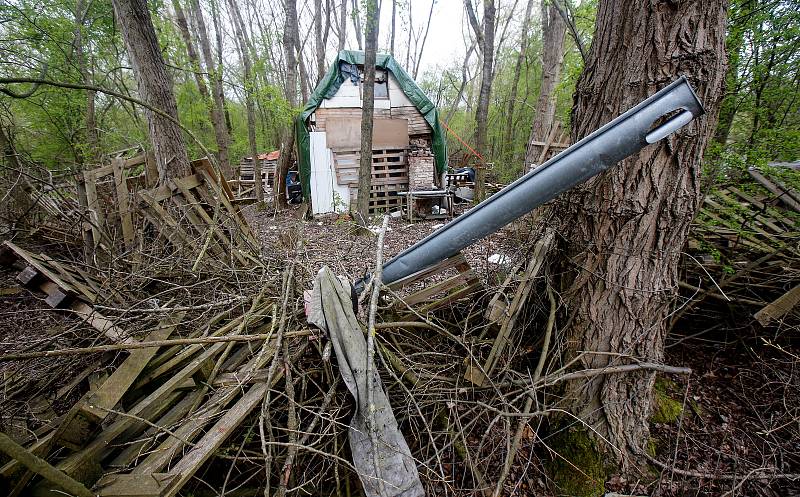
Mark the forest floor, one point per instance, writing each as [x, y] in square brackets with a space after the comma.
[738, 411]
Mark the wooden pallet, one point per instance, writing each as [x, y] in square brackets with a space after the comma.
[66, 287]
[197, 217]
[433, 297]
[389, 177]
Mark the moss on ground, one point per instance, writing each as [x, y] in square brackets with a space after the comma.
[578, 470]
[666, 409]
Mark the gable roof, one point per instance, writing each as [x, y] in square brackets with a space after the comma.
[331, 83]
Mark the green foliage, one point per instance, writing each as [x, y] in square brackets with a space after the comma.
[760, 117]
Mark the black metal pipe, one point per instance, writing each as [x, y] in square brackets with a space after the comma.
[621, 138]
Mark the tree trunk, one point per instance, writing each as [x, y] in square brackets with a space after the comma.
[217, 106]
[486, 43]
[418, 57]
[357, 24]
[318, 39]
[367, 107]
[343, 26]
[91, 125]
[391, 38]
[218, 92]
[155, 87]
[290, 43]
[553, 31]
[249, 89]
[623, 231]
[512, 98]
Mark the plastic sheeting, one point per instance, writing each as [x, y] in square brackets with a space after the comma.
[332, 311]
[330, 84]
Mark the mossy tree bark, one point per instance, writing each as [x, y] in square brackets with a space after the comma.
[623, 231]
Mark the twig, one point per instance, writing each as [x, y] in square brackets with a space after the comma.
[373, 309]
[512, 452]
[145, 345]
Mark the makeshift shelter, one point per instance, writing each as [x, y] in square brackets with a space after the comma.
[409, 148]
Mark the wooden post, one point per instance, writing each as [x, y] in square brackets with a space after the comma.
[123, 203]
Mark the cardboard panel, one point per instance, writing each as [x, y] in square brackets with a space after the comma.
[345, 134]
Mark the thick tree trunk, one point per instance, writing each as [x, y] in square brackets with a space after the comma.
[290, 43]
[249, 90]
[155, 87]
[217, 109]
[512, 98]
[486, 43]
[623, 231]
[553, 30]
[367, 107]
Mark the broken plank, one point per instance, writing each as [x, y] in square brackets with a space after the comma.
[112, 390]
[185, 469]
[134, 485]
[779, 307]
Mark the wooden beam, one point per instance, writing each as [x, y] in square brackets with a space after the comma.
[112, 390]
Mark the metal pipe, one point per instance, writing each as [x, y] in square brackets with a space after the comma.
[617, 140]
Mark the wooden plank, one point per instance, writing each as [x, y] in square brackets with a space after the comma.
[112, 390]
[36, 264]
[134, 485]
[192, 202]
[150, 169]
[164, 453]
[67, 275]
[121, 188]
[173, 416]
[143, 408]
[783, 195]
[100, 322]
[780, 307]
[185, 469]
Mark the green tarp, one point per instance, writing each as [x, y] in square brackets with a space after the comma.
[330, 84]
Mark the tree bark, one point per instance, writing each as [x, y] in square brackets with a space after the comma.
[155, 87]
[290, 43]
[391, 38]
[217, 105]
[318, 39]
[623, 231]
[512, 98]
[249, 100]
[486, 44]
[553, 30]
[91, 124]
[367, 107]
[343, 26]
[357, 24]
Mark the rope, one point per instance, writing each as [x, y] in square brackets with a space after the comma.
[476, 154]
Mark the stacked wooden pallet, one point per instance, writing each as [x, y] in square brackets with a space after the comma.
[389, 177]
